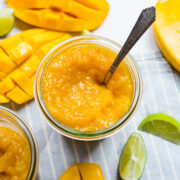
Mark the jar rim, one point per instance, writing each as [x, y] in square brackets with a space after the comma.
[19, 121]
[89, 135]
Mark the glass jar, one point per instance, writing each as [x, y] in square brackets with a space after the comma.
[99, 134]
[14, 122]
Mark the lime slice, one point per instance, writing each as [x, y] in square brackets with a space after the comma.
[162, 125]
[133, 158]
[85, 32]
[6, 21]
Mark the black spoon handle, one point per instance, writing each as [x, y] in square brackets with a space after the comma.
[146, 18]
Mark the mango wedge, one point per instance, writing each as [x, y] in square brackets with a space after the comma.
[20, 56]
[83, 171]
[61, 15]
[167, 30]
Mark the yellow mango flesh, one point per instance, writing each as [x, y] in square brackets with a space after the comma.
[71, 173]
[83, 171]
[167, 30]
[61, 15]
[90, 171]
[15, 154]
[20, 56]
[4, 99]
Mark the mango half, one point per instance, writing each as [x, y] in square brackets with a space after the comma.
[20, 56]
[83, 171]
[61, 15]
[167, 30]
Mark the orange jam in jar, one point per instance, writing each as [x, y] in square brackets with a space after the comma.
[73, 93]
[15, 155]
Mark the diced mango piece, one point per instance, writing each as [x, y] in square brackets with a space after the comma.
[73, 24]
[4, 99]
[62, 15]
[2, 75]
[21, 52]
[23, 81]
[6, 85]
[83, 11]
[83, 171]
[31, 65]
[47, 47]
[28, 86]
[16, 48]
[18, 95]
[6, 64]
[51, 19]
[10, 42]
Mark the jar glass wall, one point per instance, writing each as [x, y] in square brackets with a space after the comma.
[77, 42]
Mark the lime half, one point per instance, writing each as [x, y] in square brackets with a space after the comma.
[133, 158]
[162, 125]
[6, 21]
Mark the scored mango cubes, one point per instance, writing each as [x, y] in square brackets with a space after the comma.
[61, 15]
[20, 56]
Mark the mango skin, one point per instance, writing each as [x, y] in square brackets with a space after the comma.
[20, 56]
[61, 15]
[167, 29]
[83, 171]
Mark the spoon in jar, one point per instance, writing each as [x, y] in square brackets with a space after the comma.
[146, 18]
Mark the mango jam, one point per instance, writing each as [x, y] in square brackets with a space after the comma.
[73, 93]
[15, 155]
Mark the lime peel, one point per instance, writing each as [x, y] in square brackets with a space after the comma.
[6, 21]
[162, 125]
[133, 158]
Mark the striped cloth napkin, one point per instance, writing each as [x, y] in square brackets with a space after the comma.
[161, 93]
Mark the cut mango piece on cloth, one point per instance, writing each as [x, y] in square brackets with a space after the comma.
[167, 30]
[6, 63]
[83, 171]
[20, 56]
[71, 173]
[61, 15]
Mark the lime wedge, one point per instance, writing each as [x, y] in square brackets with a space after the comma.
[85, 32]
[162, 125]
[6, 21]
[133, 158]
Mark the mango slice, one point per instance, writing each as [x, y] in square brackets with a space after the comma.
[20, 56]
[83, 171]
[71, 173]
[61, 15]
[167, 30]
